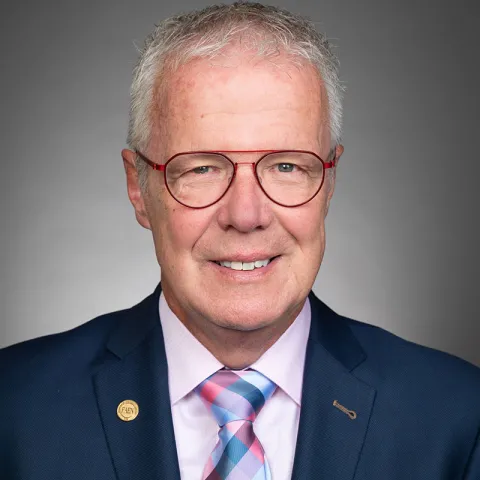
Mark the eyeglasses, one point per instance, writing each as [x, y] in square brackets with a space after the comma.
[289, 178]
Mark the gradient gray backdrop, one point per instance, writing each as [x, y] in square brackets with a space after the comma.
[403, 228]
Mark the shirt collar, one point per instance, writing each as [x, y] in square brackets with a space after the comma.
[189, 362]
[284, 361]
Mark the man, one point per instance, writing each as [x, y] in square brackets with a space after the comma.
[234, 141]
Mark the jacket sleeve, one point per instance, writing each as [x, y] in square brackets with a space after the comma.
[472, 472]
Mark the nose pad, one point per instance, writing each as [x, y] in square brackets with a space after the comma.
[252, 164]
[245, 163]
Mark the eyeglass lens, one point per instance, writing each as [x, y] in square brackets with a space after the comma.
[200, 179]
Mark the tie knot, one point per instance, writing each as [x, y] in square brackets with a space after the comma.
[235, 394]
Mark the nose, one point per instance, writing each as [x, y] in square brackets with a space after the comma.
[245, 207]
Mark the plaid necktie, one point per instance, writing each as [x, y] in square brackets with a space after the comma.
[235, 398]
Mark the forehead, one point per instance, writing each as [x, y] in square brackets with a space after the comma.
[243, 102]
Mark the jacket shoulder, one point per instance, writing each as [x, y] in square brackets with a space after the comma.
[413, 370]
[45, 358]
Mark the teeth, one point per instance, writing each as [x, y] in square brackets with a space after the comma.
[245, 265]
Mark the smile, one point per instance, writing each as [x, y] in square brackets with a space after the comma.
[234, 265]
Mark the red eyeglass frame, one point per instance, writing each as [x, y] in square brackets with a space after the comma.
[163, 167]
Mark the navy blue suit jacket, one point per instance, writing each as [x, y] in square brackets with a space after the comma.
[417, 409]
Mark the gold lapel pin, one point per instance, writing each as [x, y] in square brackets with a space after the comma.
[127, 410]
[351, 414]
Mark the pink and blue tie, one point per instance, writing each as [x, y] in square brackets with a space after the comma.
[235, 398]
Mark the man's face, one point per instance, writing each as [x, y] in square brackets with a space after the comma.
[252, 105]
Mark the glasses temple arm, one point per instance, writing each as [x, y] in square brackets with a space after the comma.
[333, 162]
[155, 166]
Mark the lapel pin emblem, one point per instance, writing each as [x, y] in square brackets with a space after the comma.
[127, 410]
[351, 414]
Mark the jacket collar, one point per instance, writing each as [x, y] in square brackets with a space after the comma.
[135, 325]
[333, 333]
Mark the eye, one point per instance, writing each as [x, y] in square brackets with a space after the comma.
[202, 169]
[286, 167]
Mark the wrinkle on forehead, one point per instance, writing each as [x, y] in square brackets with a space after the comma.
[253, 111]
[194, 96]
[188, 75]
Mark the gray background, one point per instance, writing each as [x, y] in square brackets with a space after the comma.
[403, 228]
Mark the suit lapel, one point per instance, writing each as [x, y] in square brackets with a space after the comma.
[329, 441]
[136, 369]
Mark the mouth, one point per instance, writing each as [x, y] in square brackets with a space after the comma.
[238, 265]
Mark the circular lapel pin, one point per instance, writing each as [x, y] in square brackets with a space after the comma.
[127, 410]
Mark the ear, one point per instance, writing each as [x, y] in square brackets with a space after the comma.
[133, 186]
[338, 153]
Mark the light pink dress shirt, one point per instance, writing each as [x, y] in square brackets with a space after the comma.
[196, 431]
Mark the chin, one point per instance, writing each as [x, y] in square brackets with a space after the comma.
[248, 325]
[250, 317]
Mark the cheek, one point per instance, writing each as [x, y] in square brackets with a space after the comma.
[177, 230]
[308, 229]
[306, 225]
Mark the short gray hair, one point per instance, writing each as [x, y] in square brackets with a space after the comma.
[205, 33]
